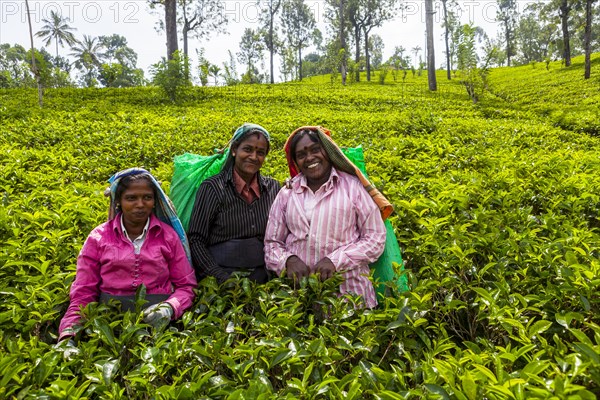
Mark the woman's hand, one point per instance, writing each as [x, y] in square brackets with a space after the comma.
[296, 268]
[158, 315]
[326, 268]
[68, 347]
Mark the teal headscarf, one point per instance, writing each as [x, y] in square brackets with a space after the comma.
[164, 209]
[249, 127]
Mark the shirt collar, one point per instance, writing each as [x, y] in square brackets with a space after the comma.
[299, 182]
[240, 183]
[125, 230]
[228, 172]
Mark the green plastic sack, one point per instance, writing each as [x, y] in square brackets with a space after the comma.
[188, 173]
[383, 268]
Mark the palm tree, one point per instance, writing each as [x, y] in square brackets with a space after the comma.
[416, 50]
[87, 55]
[57, 28]
[214, 70]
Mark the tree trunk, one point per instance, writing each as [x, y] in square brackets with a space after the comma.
[184, 33]
[271, 49]
[300, 62]
[431, 79]
[588, 38]
[186, 65]
[446, 39]
[34, 69]
[171, 27]
[357, 51]
[564, 18]
[367, 56]
[507, 37]
[344, 66]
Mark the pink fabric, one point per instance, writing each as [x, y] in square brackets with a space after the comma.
[107, 263]
[346, 227]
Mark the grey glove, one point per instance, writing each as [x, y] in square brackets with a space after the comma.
[158, 315]
[68, 348]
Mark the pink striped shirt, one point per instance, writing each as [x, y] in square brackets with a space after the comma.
[345, 227]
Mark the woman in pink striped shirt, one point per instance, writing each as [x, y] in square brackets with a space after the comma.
[323, 221]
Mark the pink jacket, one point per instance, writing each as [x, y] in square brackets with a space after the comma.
[107, 263]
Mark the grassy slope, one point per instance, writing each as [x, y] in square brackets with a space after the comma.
[497, 214]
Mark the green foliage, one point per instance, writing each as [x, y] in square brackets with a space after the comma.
[170, 75]
[496, 213]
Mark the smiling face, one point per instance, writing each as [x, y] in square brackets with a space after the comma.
[137, 202]
[250, 155]
[312, 161]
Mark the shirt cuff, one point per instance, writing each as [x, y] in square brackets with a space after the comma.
[66, 333]
[175, 305]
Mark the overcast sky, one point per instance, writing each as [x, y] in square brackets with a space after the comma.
[134, 20]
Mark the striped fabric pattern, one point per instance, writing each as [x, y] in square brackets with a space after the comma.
[221, 214]
[346, 228]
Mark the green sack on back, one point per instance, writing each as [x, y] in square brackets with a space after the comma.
[383, 268]
[188, 173]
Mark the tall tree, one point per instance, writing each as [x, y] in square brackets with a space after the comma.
[88, 55]
[507, 11]
[430, 49]
[535, 35]
[416, 50]
[376, 51]
[269, 10]
[201, 18]
[564, 11]
[171, 27]
[451, 27]
[251, 51]
[298, 25]
[336, 14]
[377, 12]
[344, 55]
[229, 70]
[588, 38]
[57, 29]
[356, 18]
[34, 68]
[119, 66]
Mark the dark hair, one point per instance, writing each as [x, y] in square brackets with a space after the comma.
[312, 135]
[126, 182]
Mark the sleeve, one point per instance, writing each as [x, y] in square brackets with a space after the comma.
[182, 277]
[371, 234]
[276, 253]
[205, 210]
[86, 287]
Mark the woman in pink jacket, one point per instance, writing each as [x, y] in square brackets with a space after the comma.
[142, 243]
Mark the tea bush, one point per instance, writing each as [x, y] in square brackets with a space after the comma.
[496, 212]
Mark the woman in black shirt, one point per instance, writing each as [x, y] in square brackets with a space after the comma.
[230, 213]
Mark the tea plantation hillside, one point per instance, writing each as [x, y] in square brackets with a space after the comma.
[497, 212]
